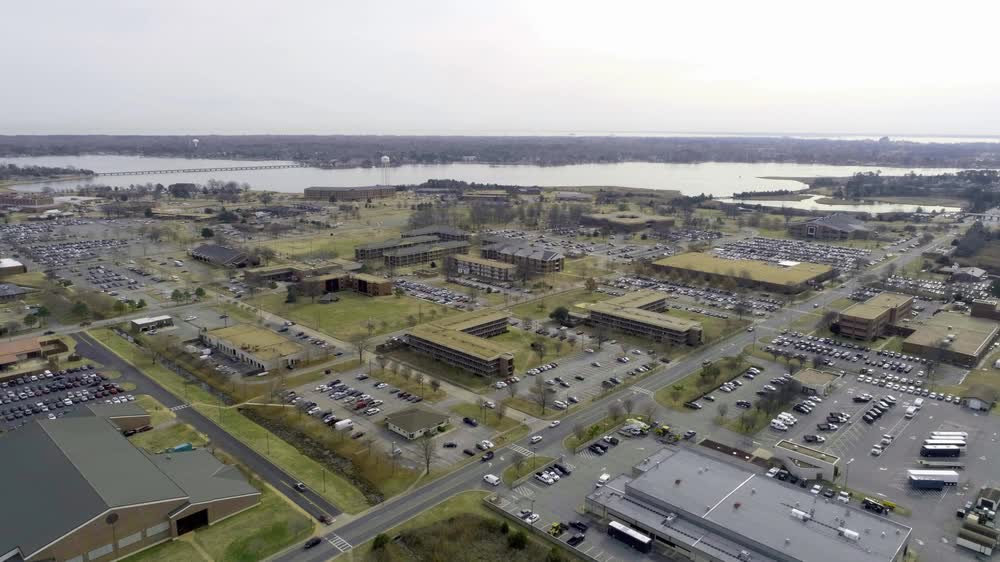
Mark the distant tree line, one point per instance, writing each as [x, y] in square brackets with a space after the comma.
[15, 172]
[365, 151]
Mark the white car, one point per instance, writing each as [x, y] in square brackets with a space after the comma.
[773, 472]
[877, 450]
[491, 479]
[536, 439]
[531, 518]
[554, 423]
[500, 384]
[485, 444]
[816, 490]
[190, 318]
[778, 425]
[844, 497]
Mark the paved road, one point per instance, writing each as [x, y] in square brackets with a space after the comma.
[313, 503]
[398, 510]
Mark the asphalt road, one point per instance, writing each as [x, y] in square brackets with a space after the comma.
[400, 509]
[313, 503]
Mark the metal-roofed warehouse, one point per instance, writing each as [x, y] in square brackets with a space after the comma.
[100, 498]
[702, 508]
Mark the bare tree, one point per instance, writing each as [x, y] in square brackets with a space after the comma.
[579, 431]
[435, 385]
[628, 404]
[512, 390]
[501, 411]
[420, 378]
[540, 394]
[427, 452]
[362, 344]
[614, 410]
[518, 460]
[648, 410]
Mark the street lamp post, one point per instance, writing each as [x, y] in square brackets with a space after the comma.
[847, 471]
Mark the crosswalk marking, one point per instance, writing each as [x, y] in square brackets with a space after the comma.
[519, 449]
[180, 407]
[338, 542]
[642, 390]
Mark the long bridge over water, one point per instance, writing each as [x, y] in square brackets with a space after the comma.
[195, 170]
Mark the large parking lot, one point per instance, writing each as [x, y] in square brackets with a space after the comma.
[53, 394]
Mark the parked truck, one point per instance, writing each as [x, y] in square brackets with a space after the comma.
[181, 448]
[932, 479]
[343, 424]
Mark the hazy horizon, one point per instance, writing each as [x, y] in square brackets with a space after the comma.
[452, 68]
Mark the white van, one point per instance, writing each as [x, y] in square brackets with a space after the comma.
[910, 412]
[603, 479]
[918, 403]
[777, 424]
[491, 479]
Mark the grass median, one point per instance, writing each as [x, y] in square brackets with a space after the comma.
[700, 381]
[523, 467]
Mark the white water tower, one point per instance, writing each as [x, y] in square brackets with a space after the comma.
[194, 144]
[385, 169]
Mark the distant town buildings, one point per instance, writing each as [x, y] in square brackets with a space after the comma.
[424, 253]
[320, 193]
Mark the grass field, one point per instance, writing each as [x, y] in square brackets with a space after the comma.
[348, 318]
[512, 472]
[542, 307]
[486, 416]
[339, 490]
[695, 384]
[252, 535]
[333, 244]
[987, 258]
[713, 329]
[161, 438]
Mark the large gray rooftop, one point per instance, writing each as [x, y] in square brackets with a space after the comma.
[728, 508]
[202, 476]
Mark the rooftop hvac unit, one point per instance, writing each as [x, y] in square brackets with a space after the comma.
[800, 515]
[849, 534]
[744, 556]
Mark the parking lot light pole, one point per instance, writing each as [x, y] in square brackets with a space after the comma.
[847, 471]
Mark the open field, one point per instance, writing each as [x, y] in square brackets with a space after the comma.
[348, 318]
[337, 243]
[252, 535]
[713, 328]
[540, 309]
[519, 341]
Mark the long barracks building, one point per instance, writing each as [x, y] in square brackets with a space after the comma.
[642, 313]
[461, 341]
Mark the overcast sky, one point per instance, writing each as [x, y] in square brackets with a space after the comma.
[479, 67]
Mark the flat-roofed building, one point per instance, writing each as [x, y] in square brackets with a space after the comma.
[10, 292]
[299, 271]
[482, 268]
[807, 462]
[370, 285]
[953, 338]
[789, 277]
[373, 250]
[424, 253]
[9, 266]
[221, 256]
[837, 226]
[872, 318]
[533, 261]
[626, 221]
[697, 507]
[442, 231]
[985, 308]
[815, 382]
[263, 349]
[461, 341]
[573, 196]
[152, 323]
[88, 494]
[494, 195]
[323, 193]
[414, 423]
[640, 313]
[13, 352]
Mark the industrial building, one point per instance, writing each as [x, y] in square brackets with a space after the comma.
[872, 318]
[481, 268]
[783, 277]
[532, 261]
[806, 462]
[442, 231]
[151, 323]
[953, 338]
[363, 283]
[837, 226]
[10, 266]
[221, 256]
[333, 194]
[696, 507]
[493, 195]
[414, 423]
[374, 250]
[626, 222]
[461, 341]
[255, 346]
[84, 493]
[424, 253]
[640, 313]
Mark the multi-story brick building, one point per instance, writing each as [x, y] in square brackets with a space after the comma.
[424, 253]
[461, 341]
[533, 261]
[872, 318]
[481, 268]
[374, 250]
[323, 193]
[640, 314]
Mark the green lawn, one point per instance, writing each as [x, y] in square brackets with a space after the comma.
[486, 416]
[160, 438]
[542, 307]
[252, 535]
[694, 384]
[337, 243]
[339, 490]
[348, 318]
[158, 413]
[525, 358]
[713, 328]
[512, 472]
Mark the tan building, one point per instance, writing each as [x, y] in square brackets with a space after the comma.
[87, 494]
[442, 231]
[872, 318]
[494, 195]
[461, 341]
[985, 308]
[13, 352]
[953, 338]
[363, 283]
[374, 250]
[640, 314]
[414, 423]
[786, 277]
[263, 349]
[320, 193]
[10, 266]
[815, 382]
[481, 268]
[424, 253]
[533, 261]
[807, 462]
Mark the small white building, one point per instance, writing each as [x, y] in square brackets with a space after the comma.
[152, 323]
